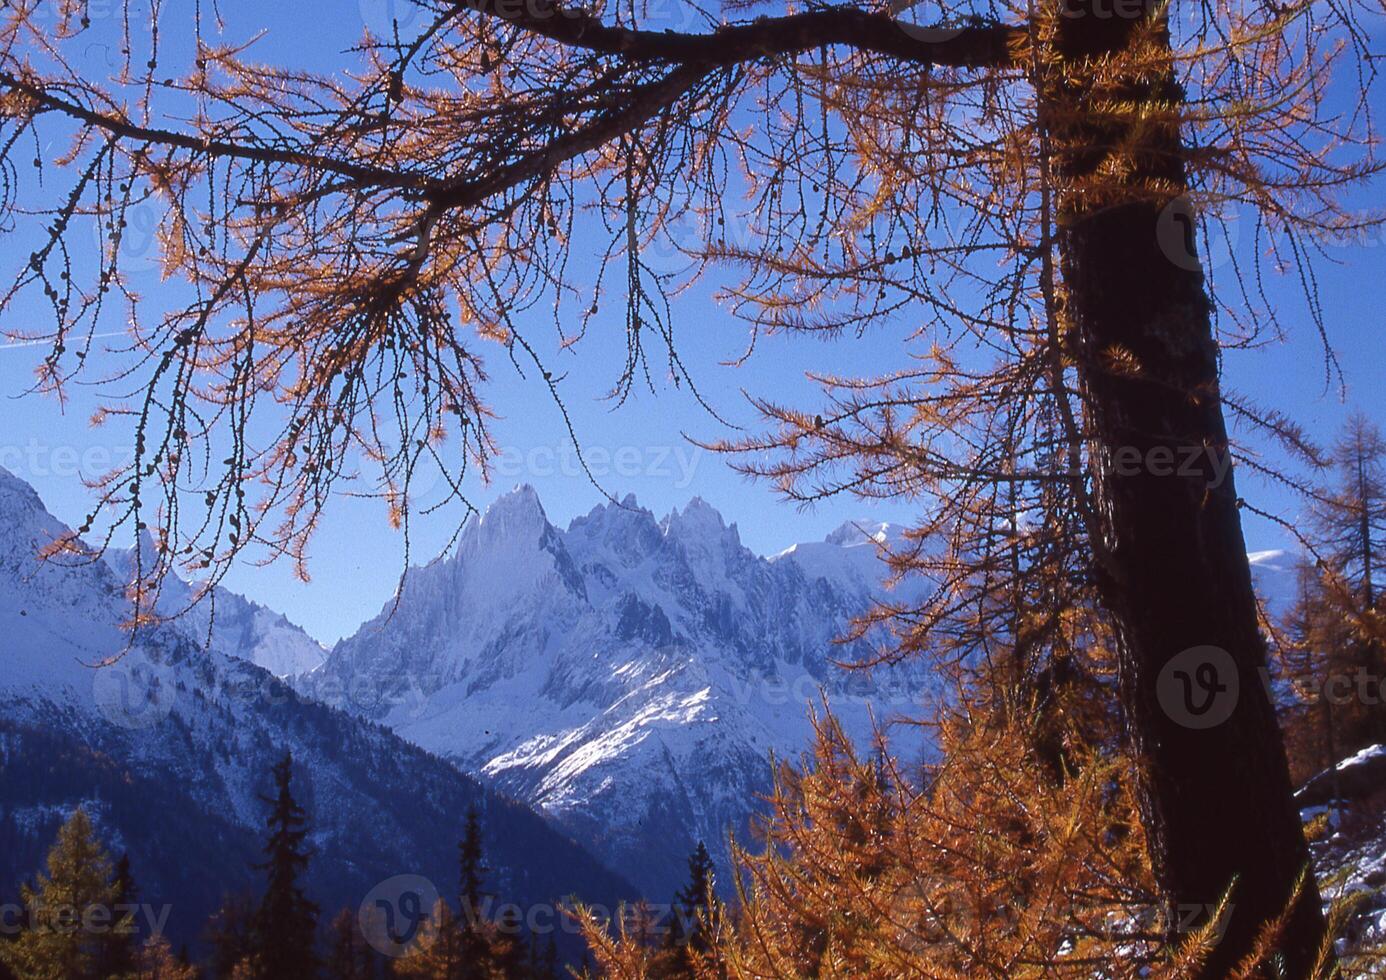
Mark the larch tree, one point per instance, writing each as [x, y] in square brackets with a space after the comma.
[510, 954]
[1350, 518]
[1349, 535]
[1313, 644]
[69, 910]
[1020, 184]
[436, 954]
[157, 961]
[1331, 639]
[993, 868]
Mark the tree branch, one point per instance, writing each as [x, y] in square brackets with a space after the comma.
[978, 45]
[696, 56]
[645, 102]
[124, 129]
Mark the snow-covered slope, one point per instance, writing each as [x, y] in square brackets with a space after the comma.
[231, 622]
[170, 748]
[629, 675]
[1350, 849]
[1274, 575]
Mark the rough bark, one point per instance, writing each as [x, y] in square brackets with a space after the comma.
[1173, 569]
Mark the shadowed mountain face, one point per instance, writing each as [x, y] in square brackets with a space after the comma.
[630, 676]
[169, 750]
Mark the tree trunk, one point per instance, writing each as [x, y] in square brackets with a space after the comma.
[1215, 785]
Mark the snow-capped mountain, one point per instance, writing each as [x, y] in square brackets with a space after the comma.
[170, 746]
[630, 676]
[225, 620]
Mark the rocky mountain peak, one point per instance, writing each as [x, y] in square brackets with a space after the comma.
[851, 533]
[517, 514]
[697, 519]
[21, 511]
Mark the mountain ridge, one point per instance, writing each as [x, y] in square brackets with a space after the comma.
[629, 675]
[170, 748]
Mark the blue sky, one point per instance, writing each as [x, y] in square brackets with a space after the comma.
[640, 447]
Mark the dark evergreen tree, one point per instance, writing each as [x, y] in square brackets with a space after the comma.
[286, 920]
[475, 944]
[120, 947]
[691, 918]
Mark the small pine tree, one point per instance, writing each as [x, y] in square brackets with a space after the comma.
[66, 910]
[687, 936]
[120, 950]
[286, 920]
[475, 943]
